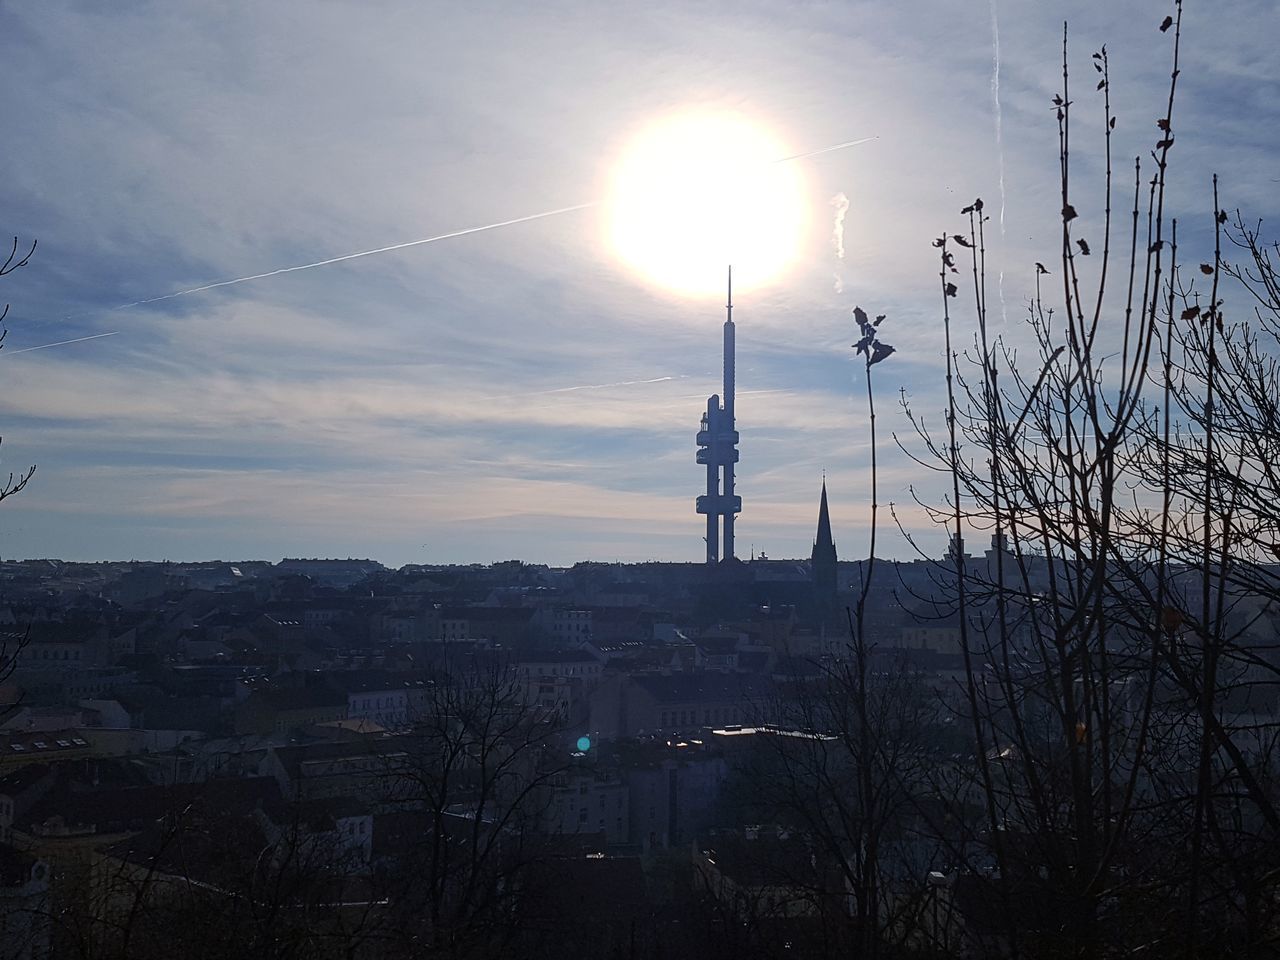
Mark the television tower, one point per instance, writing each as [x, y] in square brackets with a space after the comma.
[718, 449]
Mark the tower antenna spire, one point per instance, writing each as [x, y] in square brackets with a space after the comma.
[718, 451]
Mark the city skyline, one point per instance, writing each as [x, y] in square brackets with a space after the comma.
[520, 392]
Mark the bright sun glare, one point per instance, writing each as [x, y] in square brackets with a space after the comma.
[698, 191]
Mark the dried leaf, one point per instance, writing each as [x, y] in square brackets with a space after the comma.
[950, 289]
[1155, 246]
[1113, 123]
[940, 242]
[1190, 313]
[1101, 84]
[1222, 216]
[1164, 144]
[1206, 268]
[1165, 24]
[1163, 123]
[1068, 213]
[860, 315]
[1041, 268]
[1084, 247]
[977, 204]
[961, 240]
[879, 352]
[1057, 100]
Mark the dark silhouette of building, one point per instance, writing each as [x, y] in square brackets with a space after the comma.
[718, 450]
[822, 564]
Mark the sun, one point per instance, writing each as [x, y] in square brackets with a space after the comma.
[696, 191]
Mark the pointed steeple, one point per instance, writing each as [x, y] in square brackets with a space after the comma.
[823, 559]
[823, 541]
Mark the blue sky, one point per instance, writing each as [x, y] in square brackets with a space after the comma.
[416, 406]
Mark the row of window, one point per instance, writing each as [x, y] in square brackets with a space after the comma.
[44, 653]
[378, 703]
[569, 671]
[682, 718]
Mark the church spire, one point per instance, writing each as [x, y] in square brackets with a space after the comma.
[822, 564]
[823, 542]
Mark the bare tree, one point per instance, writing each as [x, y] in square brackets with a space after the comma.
[469, 790]
[16, 259]
[1109, 627]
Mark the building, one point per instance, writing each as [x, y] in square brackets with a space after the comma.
[282, 711]
[671, 704]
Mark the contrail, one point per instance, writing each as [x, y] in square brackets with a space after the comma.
[60, 343]
[586, 386]
[995, 100]
[831, 149]
[559, 211]
[363, 253]
[606, 386]
[841, 204]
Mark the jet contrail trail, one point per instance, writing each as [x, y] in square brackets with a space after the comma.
[606, 386]
[559, 211]
[586, 386]
[60, 343]
[841, 204]
[831, 149]
[995, 101]
[355, 256]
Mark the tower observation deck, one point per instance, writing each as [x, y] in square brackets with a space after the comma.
[718, 451]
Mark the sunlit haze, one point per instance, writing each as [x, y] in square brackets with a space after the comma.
[698, 190]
